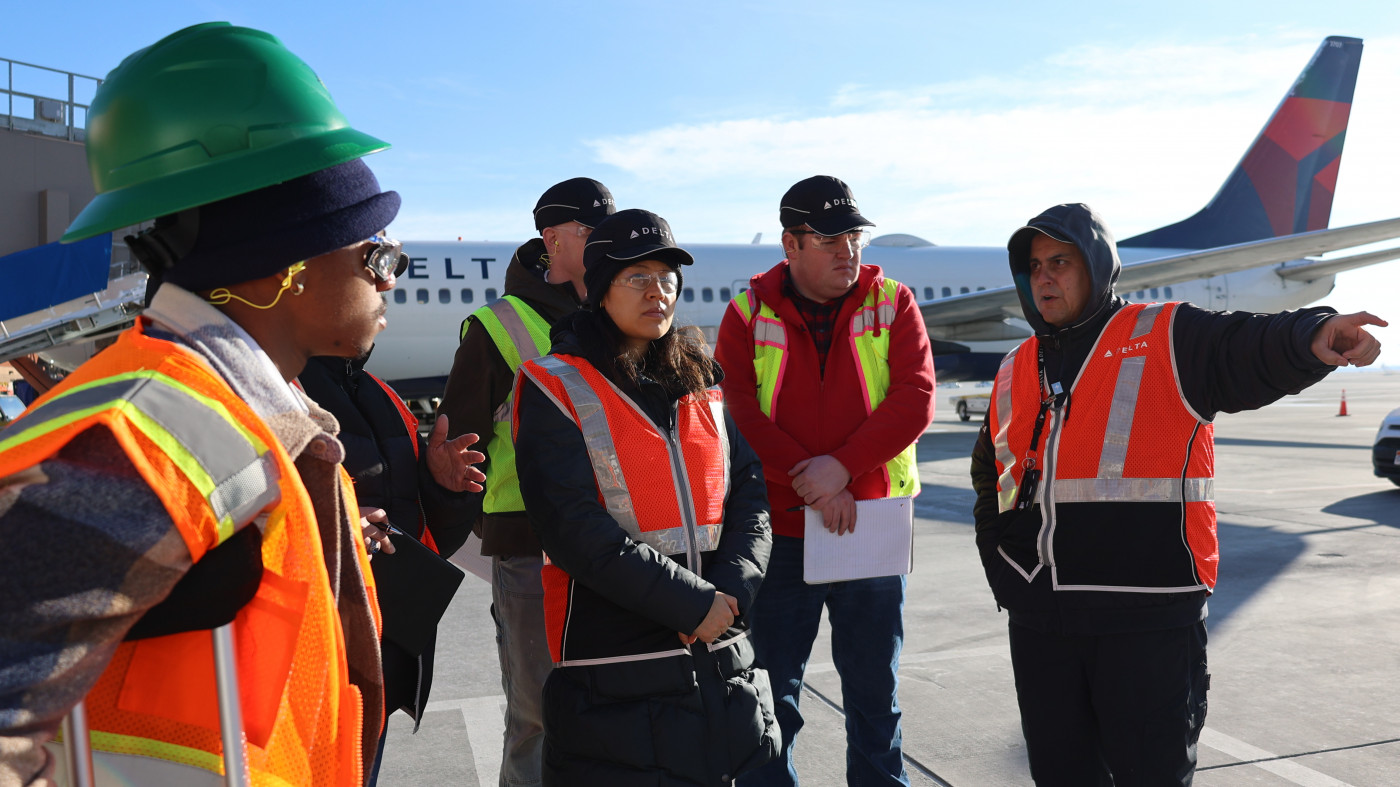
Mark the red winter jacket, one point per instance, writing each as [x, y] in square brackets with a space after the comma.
[819, 416]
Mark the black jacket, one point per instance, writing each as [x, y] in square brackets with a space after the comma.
[481, 380]
[379, 456]
[1227, 362]
[692, 719]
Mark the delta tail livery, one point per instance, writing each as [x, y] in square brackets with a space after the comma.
[1250, 248]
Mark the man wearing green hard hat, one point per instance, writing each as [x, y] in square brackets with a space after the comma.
[178, 482]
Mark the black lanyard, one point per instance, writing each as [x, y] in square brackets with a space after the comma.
[1051, 394]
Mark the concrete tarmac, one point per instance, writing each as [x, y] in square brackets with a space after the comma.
[1304, 625]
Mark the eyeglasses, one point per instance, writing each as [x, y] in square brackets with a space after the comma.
[854, 240]
[386, 259]
[669, 281]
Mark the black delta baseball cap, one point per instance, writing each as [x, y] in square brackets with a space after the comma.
[823, 203]
[584, 200]
[623, 238]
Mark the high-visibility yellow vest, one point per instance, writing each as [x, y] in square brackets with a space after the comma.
[870, 331]
[520, 334]
[215, 466]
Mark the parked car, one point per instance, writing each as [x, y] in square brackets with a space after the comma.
[968, 405]
[1385, 454]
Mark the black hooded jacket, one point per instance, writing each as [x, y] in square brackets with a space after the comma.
[675, 720]
[1227, 362]
[481, 380]
[379, 456]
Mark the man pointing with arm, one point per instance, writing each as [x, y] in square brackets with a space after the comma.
[1095, 496]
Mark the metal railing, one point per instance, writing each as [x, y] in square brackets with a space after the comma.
[55, 116]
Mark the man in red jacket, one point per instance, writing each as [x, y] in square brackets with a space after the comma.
[829, 376]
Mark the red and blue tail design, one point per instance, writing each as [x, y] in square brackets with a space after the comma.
[1286, 180]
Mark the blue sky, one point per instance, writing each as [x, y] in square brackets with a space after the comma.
[955, 122]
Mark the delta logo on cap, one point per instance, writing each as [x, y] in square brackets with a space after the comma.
[642, 231]
[823, 203]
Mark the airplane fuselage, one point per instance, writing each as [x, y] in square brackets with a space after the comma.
[447, 281]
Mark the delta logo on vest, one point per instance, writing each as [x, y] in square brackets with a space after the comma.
[1129, 349]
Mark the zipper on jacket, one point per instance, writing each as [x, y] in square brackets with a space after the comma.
[1047, 487]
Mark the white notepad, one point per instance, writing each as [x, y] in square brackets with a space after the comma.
[882, 545]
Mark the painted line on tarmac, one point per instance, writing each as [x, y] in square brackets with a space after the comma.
[923, 658]
[486, 729]
[1268, 761]
[909, 761]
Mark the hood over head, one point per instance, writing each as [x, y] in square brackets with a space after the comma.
[1074, 223]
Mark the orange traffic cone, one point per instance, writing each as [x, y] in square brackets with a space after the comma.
[1343, 411]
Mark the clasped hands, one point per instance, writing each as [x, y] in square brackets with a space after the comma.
[821, 482]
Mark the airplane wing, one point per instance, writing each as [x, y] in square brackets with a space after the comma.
[978, 316]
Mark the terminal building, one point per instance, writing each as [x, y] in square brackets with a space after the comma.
[58, 300]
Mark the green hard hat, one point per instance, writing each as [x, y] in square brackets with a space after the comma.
[207, 113]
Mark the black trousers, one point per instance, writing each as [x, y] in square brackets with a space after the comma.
[1119, 710]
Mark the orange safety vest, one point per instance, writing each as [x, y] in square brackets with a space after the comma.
[1128, 477]
[628, 451]
[215, 466]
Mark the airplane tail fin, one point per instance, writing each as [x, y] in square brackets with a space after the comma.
[1285, 182]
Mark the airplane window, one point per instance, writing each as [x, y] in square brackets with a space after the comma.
[466, 295]
[743, 289]
[1154, 293]
[947, 291]
[724, 293]
[928, 293]
[979, 289]
[1168, 292]
[490, 294]
[444, 295]
[1141, 295]
[707, 294]
[688, 295]
[400, 296]
[421, 295]
[962, 289]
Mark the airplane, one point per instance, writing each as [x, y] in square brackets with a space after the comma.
[1250, 248]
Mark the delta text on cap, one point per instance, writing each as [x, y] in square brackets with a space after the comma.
[823, 203]
[584, 200]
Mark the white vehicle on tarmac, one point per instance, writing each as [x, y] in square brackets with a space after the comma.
[970, 404]
[1385, 454]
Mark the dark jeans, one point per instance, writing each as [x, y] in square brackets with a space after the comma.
[1116, 710]
[867, 632]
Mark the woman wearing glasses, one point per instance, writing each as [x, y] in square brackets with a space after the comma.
[654, 517]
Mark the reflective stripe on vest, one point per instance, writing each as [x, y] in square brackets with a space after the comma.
[303, 717]
[225, 462]
[685, 535]
[870, 348]
[682, 478]
[520, 334]
[1131, 440]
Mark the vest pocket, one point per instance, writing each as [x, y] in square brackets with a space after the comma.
[173, 676]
